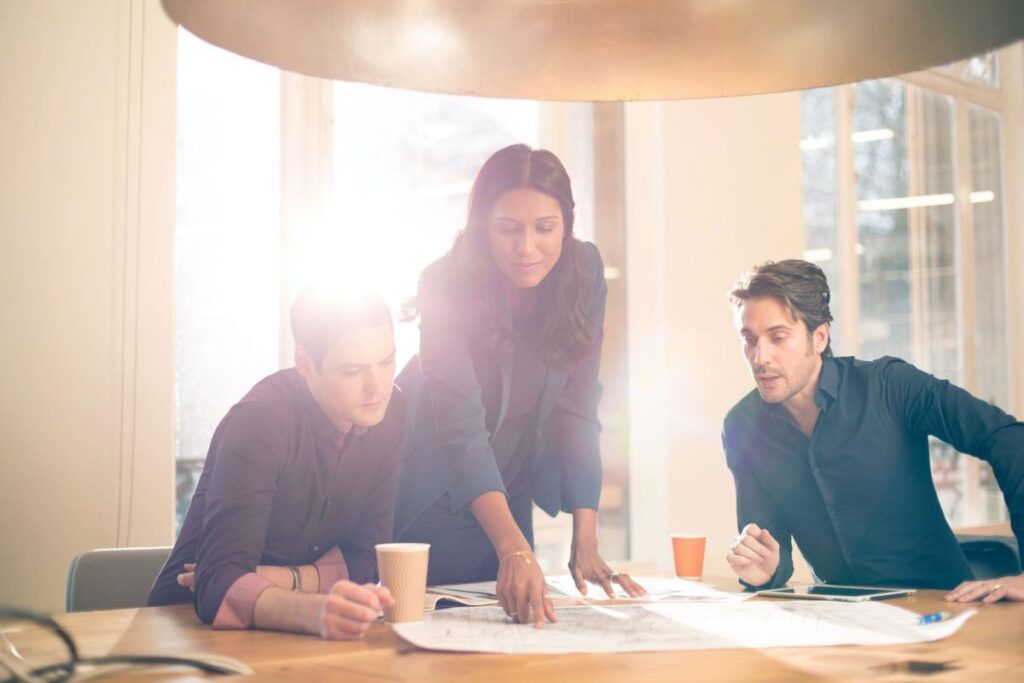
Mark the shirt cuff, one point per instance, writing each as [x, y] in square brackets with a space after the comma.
[330, 569]
[238, 608]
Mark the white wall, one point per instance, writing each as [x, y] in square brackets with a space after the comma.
[86, 224]
[714, 187]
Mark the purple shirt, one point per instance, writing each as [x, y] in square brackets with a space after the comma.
[282, 486]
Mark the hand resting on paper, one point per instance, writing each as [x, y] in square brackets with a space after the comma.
[522, 590]
[585, 564]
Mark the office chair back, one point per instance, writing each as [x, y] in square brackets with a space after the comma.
[113, 578]
[990, 557]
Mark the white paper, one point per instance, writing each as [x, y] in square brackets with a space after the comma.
[676, 626]
[658, 589]
[465, 594]
[482, 589]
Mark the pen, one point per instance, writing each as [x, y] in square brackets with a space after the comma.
[934, 617]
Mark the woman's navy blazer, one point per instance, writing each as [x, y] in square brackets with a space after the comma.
[447, 446]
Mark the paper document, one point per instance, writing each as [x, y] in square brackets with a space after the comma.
[658, 589]
[464, 594]
[677, 626]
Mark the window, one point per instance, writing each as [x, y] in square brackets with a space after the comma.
[403, 165]
[226, 242]
[903, 211]
[285, 179]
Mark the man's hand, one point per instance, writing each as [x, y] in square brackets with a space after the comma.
[754, 555]
[522, 591]
[585, 564]
[188, 577]
[989, 591]
[349, 609]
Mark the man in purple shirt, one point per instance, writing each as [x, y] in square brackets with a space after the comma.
[299, 485]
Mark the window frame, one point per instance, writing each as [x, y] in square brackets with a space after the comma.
[1005, 100]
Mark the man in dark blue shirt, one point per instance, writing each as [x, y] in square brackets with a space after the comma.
[833, 452]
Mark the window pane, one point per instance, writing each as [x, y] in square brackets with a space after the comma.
[818, 151]
[403, 166]
[937, 344]
[989, 257]
[904, 150]
[883, 234]
[983, 69]
[990, 311]
[226, 241]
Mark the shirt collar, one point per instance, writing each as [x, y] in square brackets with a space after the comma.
[828, 383]
[827, 391]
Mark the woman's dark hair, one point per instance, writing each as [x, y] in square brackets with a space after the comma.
[566, 332]
[798, 285]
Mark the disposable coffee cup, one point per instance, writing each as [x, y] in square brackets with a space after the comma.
[688, 553]
[403, 571]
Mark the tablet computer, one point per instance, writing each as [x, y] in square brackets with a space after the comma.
[825, 591]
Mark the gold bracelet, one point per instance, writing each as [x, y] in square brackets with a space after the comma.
[525, 554]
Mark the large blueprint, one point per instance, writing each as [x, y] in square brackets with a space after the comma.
[677, 626]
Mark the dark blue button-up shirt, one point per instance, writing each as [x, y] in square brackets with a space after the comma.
[857, 496]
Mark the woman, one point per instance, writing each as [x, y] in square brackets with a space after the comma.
[505, 391]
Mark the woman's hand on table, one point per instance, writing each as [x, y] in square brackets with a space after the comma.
[989, 591]
[522, 590]
[586, 564]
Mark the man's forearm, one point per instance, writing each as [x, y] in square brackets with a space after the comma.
[278, 609]
[282, 577]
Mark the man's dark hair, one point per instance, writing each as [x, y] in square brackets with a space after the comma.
[319, 318]
[798, 285]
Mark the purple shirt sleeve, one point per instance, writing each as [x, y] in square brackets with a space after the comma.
[376, 525]
[330, 568]
[243, 479]
[238, 609]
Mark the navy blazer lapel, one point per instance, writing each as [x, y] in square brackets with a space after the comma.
[505, 364]
[553, 385]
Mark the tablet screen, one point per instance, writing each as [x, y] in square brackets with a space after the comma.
[843, 591]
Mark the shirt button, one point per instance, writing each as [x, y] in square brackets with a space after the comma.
[316, 549]
[831, 511]
[817, 470]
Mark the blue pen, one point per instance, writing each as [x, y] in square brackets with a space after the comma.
[934, 617]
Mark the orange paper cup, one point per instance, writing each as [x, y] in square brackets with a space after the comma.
[688, 551]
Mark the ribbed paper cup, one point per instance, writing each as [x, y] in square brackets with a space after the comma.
[403, 571]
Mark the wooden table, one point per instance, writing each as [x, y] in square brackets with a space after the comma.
[990, 647]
